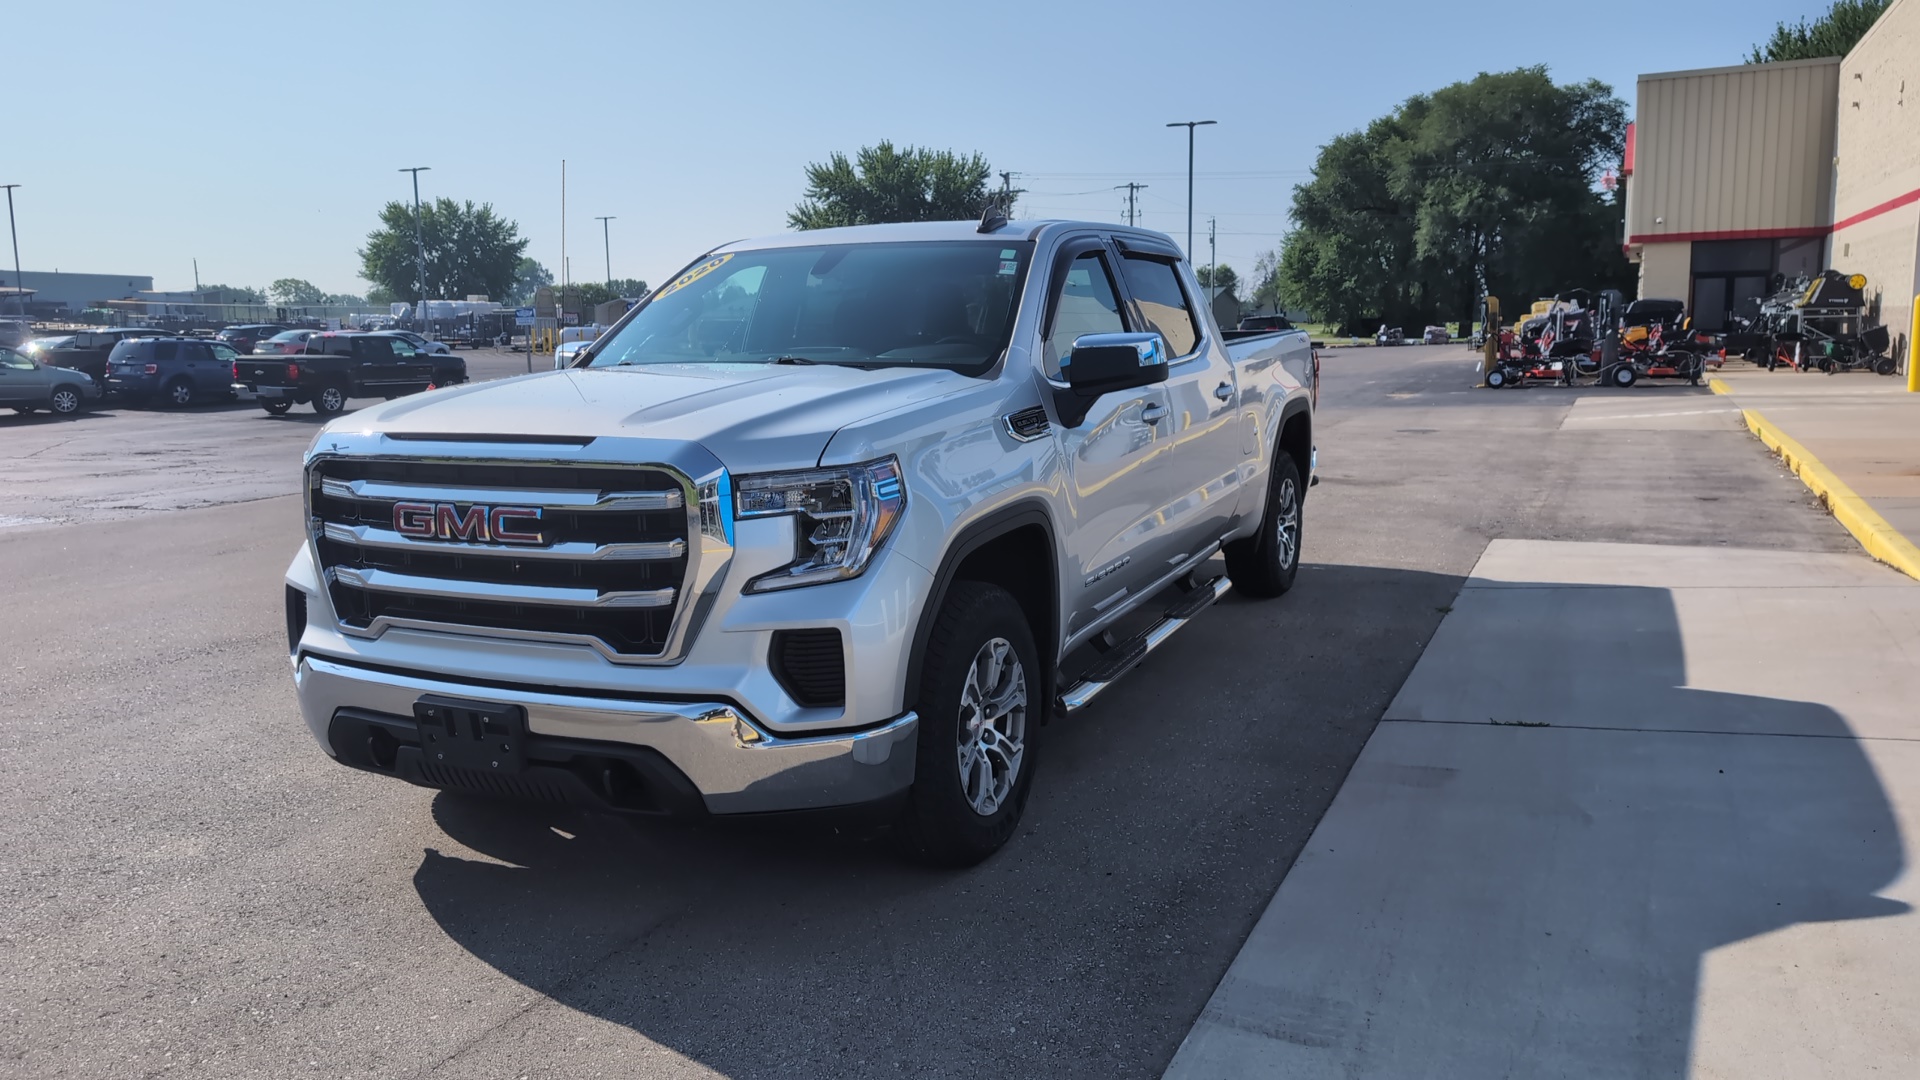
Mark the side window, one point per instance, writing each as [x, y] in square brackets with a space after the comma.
[1088, 304]
[224, 354]
[401, 346]
[11, 359]
[165, 351]
[1163, 303]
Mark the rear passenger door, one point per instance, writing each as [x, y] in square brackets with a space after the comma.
[1204, 426]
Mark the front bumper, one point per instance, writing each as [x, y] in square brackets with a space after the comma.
[684, 758]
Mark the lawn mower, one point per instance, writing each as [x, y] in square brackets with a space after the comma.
[1822, 327]
[1578, 340]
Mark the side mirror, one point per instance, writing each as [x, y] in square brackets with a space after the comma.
[1103, 364]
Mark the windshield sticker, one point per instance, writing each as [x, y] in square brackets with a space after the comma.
[1009, 266]
[1009, 253]
[695, 274]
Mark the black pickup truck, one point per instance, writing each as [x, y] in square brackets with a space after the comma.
[334, 368]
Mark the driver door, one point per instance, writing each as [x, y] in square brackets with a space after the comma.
[1115, 458]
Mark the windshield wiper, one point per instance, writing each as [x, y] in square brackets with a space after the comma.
[790, 360]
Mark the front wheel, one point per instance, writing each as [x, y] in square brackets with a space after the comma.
[1496, 379]
[1265, 564]
[979, 706]
[66, 401]
[24, 410]
[1883, 365]
[330, 401]
[1623, 376]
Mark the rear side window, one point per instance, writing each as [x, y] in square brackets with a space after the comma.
[165, 351]
[1163, 303]
[1087, 305]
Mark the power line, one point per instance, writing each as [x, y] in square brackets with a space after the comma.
[1132, 190]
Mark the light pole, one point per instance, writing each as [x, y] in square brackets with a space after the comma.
[1190, 125]
[606, 238]
[19, 297]
[419, 246]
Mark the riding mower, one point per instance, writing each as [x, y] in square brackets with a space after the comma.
[1657, 340]
[1578, 341]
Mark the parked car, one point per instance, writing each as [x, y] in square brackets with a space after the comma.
[1265, 322]
[336, 367]
[284, 343]
[41, 344]
[177, 370]
[834, 518]
[15, 332]
[27, 384]
[243, 338]
[419, 343]
[88, 350]
[566, 352]
[1435, 335]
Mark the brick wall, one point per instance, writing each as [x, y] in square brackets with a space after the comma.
[1877, 161]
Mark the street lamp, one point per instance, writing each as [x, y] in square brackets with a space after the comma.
[19, 297]
[420, 245]
[1190, 125]
[606, 237]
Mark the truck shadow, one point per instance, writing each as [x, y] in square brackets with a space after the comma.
[1160, 827]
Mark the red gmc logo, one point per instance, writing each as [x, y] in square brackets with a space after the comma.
[476, 524]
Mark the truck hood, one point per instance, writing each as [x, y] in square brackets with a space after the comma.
[753, 417]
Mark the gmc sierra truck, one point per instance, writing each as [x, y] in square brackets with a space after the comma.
[834, 518]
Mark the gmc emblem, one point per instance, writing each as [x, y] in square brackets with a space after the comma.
[476, 524]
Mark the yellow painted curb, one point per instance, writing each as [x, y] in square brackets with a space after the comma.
[1881, 539]
[1718, 387]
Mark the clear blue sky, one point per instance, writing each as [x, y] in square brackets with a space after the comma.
[263, 138]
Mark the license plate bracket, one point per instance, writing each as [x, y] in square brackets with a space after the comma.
[477, 735]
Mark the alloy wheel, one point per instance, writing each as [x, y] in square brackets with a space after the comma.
[1288, 525]
[993, 726]
[65, 401]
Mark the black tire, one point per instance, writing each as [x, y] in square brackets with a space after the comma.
[24, 410]
[1883, 365]
[66, 401]
[1264, 565]
[330, 400]
[1496, 379]
[276, 408]
[940, 822]
[1623, 376]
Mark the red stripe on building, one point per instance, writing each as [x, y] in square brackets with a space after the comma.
[1908, 199]
[1729, 234]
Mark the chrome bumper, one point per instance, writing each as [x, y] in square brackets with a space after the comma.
[738, 767]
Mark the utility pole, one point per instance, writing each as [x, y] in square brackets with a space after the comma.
[1006, 192]
[606, 237]
[1132, 190]
[419, 246]
[19, 297]
[1212, 252]
[196, 275]
[1190, 125]
[565, 267]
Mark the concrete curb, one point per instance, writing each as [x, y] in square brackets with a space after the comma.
[1717, 386]
[1880, 539]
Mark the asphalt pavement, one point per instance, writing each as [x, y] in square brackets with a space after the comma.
[196, 890]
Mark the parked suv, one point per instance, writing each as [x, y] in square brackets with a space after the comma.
[178, 371]
[832, 518]
[335, 368]
[244, 338]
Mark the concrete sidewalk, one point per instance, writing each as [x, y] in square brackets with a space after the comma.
[1866, 428]
[1638, 811]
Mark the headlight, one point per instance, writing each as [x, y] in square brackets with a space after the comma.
[841, 517]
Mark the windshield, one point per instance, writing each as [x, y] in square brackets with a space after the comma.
[947, 304]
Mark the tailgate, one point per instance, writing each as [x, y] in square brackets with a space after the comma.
[265, 370]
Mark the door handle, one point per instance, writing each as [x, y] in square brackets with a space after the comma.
[1224, 391]
[1153, 414]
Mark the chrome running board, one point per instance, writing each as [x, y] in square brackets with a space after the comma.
[1128, 654]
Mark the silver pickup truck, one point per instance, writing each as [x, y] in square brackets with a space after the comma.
[833, 518]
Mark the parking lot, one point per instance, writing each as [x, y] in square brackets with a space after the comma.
[198, 891]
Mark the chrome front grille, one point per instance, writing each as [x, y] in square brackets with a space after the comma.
[612, 565]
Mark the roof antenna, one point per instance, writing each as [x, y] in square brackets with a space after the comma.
[993, 217]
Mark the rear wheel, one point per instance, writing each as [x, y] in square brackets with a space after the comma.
[23, 410]
[276, 408]
[1883, 365]
[66, 401]
[1265, 564]
[1623, 376]
[330, 401]
[979, 709]
[179, 393]
[1496, 379]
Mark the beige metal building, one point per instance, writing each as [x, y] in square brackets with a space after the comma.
[1876, 191]
[1737, 177]
[1729, 181]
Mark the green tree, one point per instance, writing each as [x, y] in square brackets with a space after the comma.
[1266, 278]
[884, 184]
[470, 250]
[1832, 34]
[528, 277]
[1221, 276]
[633, 288]
[235, 294]
[344, 300]
[295, 291]
[380, 296]
[1482, 186]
